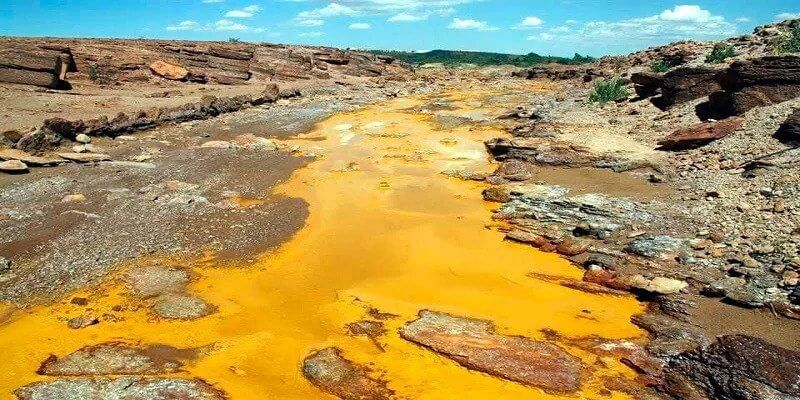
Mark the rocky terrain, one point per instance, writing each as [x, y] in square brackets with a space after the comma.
[683, 193]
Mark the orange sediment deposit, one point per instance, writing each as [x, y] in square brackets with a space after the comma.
[388, 236]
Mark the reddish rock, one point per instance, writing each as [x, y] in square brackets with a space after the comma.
[700, 134]
[572, 247]
[474, 344]
[497, 194]
[169, 71]
[606, 278]
[328, 370]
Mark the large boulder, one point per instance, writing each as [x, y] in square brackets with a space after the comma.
[169, 71]
[735, 368]
[685, 84]
[647, 84]
[754, 83]
[790, 129]
[700, 134]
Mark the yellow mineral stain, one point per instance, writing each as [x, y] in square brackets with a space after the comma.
[386, 230]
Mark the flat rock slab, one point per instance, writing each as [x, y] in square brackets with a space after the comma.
[328, 370]
[34, 161]
[85, 157]
[157, 280]
[111, 359]
[181, 306]
[13, 166]
[474, 344]
[700, 134]
[121, 388]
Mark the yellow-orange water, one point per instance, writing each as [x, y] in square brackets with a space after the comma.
[386, 230]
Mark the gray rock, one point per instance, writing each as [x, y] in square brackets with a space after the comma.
[656, 246]
[121, 388]
[328, 370]
[181, 306]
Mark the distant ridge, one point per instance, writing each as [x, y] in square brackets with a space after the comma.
[455, 57]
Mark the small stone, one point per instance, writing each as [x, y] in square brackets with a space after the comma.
[13, 167]
[779, 206]
[5, 265]
[79, 301]
[71, 198]
[82, 322]
[217, 144]
[83, 138]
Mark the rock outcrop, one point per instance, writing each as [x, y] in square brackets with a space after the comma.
[735, 368]
[45, 62]
[686, 84]
[753, 83]
[36, 64]
[475, 344]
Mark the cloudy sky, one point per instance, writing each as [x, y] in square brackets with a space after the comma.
[558, 27]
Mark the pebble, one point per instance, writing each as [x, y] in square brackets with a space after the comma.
[83, 138]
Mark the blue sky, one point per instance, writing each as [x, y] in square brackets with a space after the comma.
[558, 27]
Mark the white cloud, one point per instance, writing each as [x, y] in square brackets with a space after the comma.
[686, 13]
[570, 22]
[311, 34]
[541, 36]
[223, 25]
[212, 1]
[184, 26]
[459, 23]
[679, 23]
[742, 19]
[529, 23]
[331, 10]
[228, 25]
[406, 17]
[246, 12]
[360, 26]
[310, 22]
[787, 15]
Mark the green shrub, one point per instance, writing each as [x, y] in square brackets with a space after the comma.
[720, 53]
[94, 73]
[608, 90]
[660, 67]
[234, 40]
[791, 42]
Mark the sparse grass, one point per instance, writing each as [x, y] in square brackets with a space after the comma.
[720, 53]
[790, 43]
[660, 67]
[94, 73]
[234, 40]
[608, 90]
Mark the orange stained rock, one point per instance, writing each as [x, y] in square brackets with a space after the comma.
[393, 234]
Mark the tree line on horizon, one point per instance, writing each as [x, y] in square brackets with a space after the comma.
[455, 57]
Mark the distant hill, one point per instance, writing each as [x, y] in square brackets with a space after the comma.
[452, 58]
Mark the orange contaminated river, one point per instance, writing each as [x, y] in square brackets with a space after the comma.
[386, 230]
